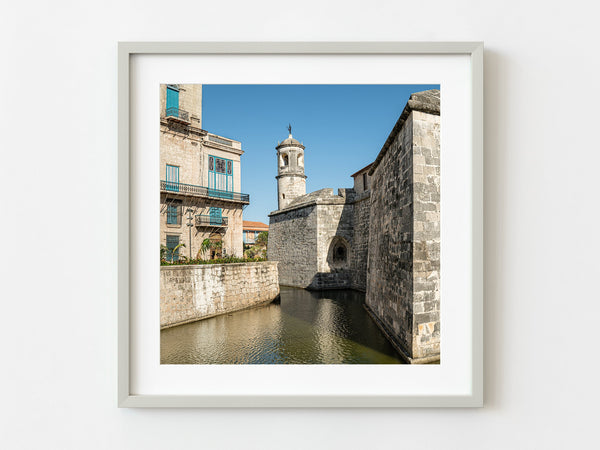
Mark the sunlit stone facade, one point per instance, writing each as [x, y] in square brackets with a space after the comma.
[200, 173]
[382, 236]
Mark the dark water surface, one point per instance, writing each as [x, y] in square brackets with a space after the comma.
[307, 327]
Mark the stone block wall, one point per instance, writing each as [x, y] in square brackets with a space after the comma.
[334, 227]
[190, 100]
[426, 234]
[293, 243]
[190, 293]
[389, 272]
[360, 241]
[403, 274]
[304, 236]
[182, 148]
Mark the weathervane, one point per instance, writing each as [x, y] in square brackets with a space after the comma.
[290, 128]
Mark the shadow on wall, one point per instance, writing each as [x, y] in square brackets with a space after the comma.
[336, 250]
[338, 260]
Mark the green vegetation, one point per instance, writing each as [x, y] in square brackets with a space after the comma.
[259, 249]
[207, 247]
[256, 253]
[183, 261]
[167, 254]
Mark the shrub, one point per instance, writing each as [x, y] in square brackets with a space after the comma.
[228, 260]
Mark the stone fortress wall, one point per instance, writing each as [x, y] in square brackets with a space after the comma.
[403, 277]
[305, 235]
[382, 236]
[360, 241]
[190, 293]
[295, 231]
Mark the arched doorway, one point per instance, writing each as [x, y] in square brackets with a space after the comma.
[216, 247]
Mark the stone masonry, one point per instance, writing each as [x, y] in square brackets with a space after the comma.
[403, 276]
[190, 293]
[304, 236]
[382, 236]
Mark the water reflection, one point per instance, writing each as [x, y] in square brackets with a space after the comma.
[306, 327]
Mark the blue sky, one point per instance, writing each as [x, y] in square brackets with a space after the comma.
[342, 126]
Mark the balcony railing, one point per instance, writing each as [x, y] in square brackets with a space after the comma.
[210, 221]
[178, 114]
[202, 191]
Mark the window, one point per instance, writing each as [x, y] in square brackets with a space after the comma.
[216, 216]
[285, 159]
[172, 178]
[174, 213]
[172, 242]
[220, 177]
[365, 181]
[172, 101]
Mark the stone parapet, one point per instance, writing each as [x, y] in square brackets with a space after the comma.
[191, 293]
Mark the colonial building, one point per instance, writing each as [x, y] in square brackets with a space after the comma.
[252, 230]
[382, 236]
[200, 173]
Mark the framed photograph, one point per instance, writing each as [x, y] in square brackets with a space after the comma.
[300, 224]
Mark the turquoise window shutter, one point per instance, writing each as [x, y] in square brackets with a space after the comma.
[172, 101]
[172, 242]
[172, 178]
[220, 177]
[172, 215]
[216, 216]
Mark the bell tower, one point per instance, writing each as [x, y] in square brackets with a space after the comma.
[291, 181]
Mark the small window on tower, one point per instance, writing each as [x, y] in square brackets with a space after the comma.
[285, 160]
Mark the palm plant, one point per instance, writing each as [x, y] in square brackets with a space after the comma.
[175, 250]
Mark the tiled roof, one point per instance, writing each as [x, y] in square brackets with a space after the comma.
[249, 225]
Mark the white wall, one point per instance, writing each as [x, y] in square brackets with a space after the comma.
[58, 126]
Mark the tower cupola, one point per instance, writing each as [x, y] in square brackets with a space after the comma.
[291, 181]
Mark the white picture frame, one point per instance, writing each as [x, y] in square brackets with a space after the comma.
[473, 397]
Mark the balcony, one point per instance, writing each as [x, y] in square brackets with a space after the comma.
[202, 191]
[210, 221]
[178, 115]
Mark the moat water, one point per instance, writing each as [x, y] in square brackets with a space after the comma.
[306, 327]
